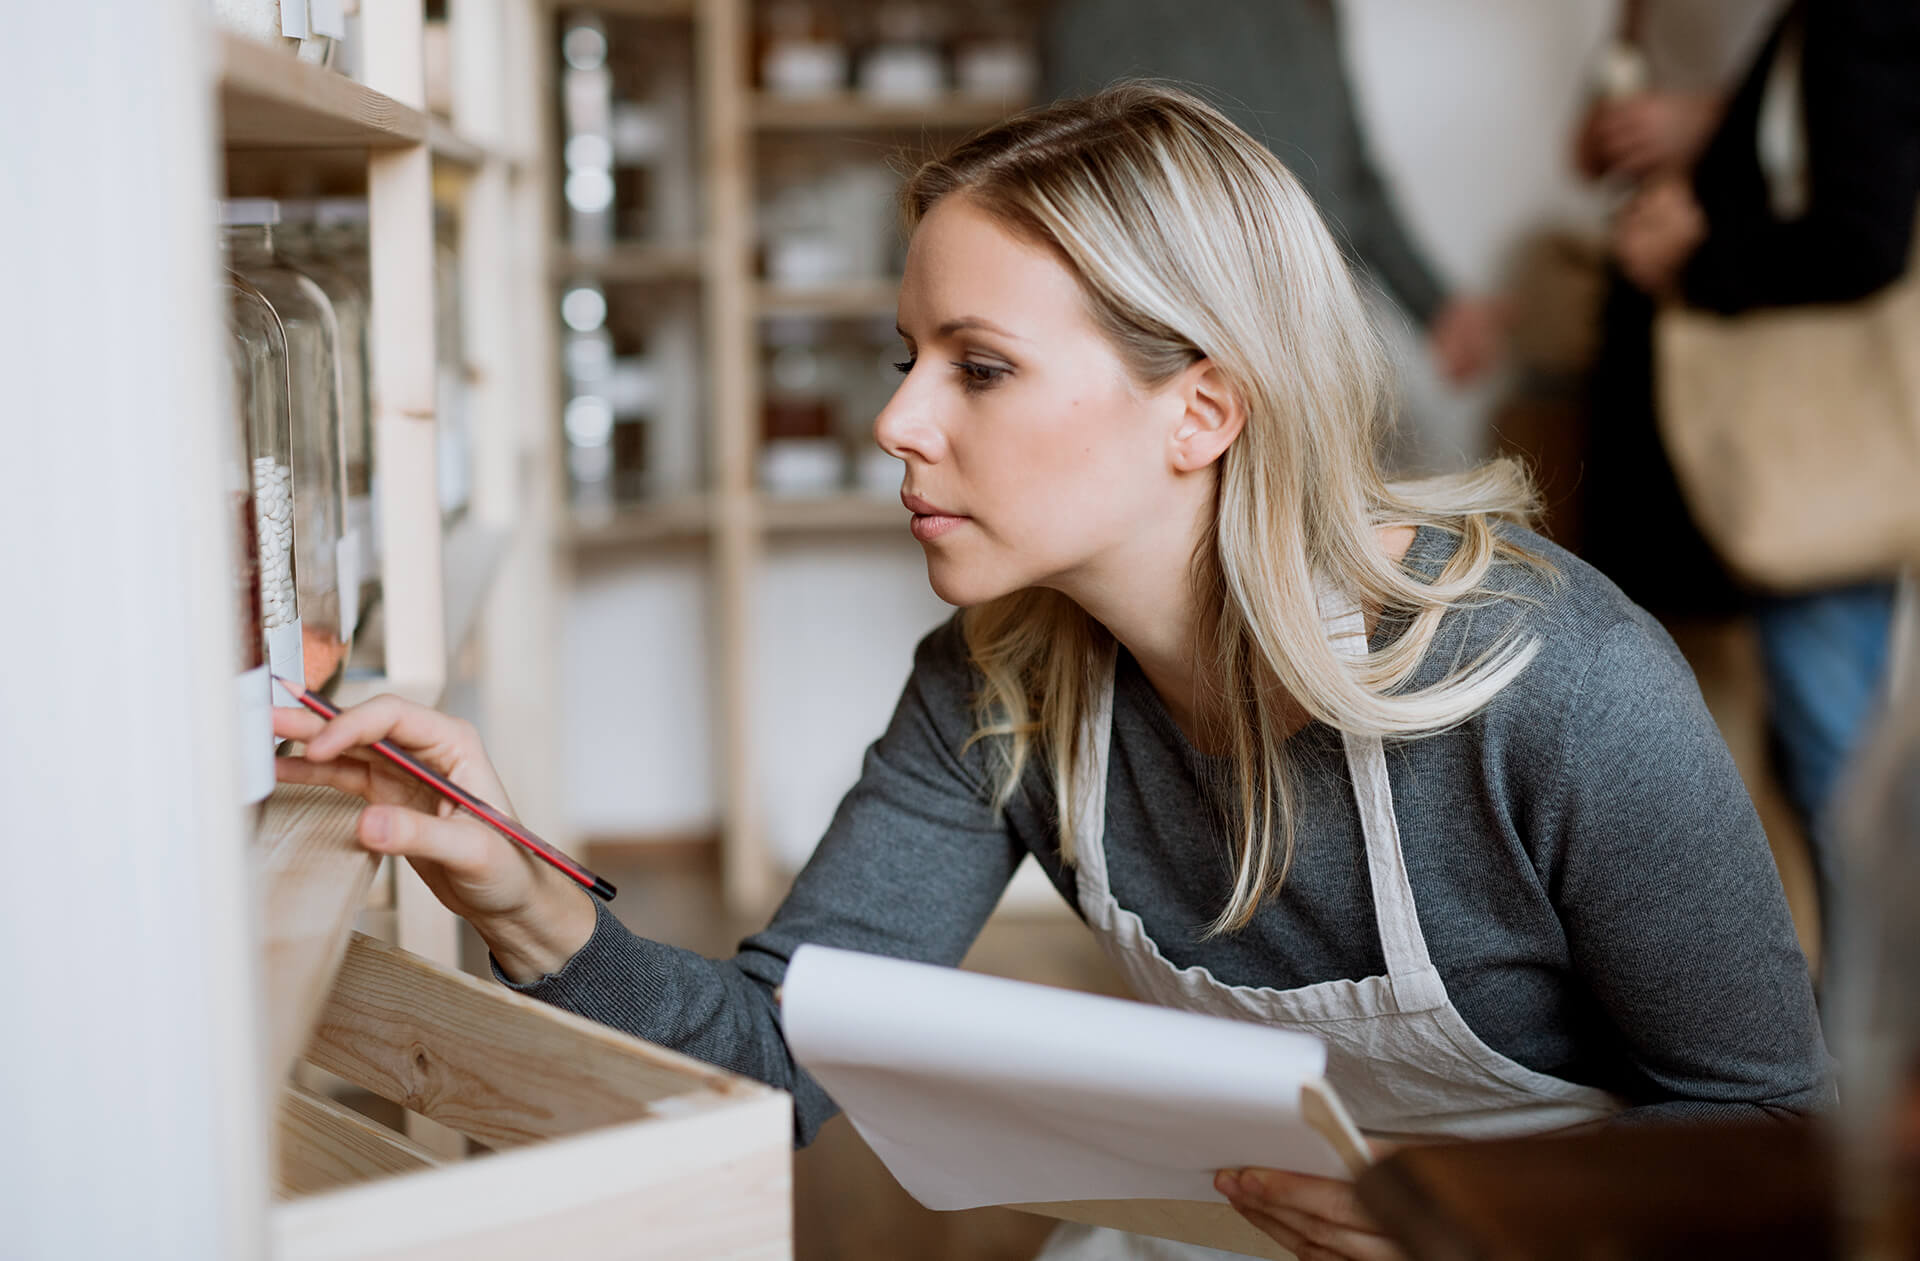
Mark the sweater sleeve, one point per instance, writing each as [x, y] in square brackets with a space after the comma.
[913, 863]
[1672, 907]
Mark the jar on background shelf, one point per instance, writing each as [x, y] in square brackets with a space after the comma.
[586, 118]
[261, 338]
[801, 51]
[252, 682]
[800, 453]
[334, 257]
[904, 63]
[994, 57]
[313, 480]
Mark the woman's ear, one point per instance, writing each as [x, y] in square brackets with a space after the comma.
[1212, 418]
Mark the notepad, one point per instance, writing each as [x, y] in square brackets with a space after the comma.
[977, 1090]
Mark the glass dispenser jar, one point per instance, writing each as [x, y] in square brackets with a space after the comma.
[312, 338]
[327, 241]
[258, 334]
[253, 683]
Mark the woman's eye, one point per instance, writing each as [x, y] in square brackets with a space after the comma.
[904, 366]
[978, 376]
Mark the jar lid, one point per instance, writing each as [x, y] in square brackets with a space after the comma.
[330, 212]
[249, 212]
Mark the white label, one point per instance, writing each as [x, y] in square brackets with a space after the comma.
[347, 559]
[287, 655]
[293, 19]
[253, 732]
[327, 17]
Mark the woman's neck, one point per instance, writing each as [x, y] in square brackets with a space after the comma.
[1148, 602]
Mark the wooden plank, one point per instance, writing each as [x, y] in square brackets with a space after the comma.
[495, 1065]
[271, 100]
[664, 521]
[450, 146]
[835, 514]
[847, 112]
[1209, 1225]
[315, 877]
[713, 1184]
[873, 301]
[627, 264]
[324, 1146]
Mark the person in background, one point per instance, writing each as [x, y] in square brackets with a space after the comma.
[1638, 532]
[1277, 69]
[1740, 234]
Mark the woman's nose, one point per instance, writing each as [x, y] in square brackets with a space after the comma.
[906, 427]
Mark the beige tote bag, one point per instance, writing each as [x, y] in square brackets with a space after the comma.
[1795, 431]
[1795, 435]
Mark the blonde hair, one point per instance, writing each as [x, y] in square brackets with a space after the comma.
[1190, 240]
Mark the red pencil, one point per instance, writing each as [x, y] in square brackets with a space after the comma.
[461, 797]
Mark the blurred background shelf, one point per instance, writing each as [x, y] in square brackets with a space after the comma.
[876, 300]
[627, 263]
[837, 514]
[673, 520]
[852, 113]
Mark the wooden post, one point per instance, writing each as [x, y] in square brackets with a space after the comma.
[734, 403]
[130, 1073]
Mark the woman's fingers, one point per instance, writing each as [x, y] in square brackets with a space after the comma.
[297, 724]
[461, 846]
[1323, 1213]
[349, 775]
[409, 725]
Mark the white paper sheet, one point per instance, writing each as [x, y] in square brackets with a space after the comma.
[976, 1090]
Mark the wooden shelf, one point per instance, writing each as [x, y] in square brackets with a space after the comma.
[626, 264]
[876, 300]
[847, 112]
[640, 524]
[270, 100]
[314, 878]
[837, 514]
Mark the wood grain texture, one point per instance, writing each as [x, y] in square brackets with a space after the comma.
[324, 1146]
[1189, 1221]
[271, 100]
[707, 1186]
[495, 1065]
[315, 878]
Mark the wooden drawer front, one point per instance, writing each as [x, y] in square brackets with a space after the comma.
[621, 1149]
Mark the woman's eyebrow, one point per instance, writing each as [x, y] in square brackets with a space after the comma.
[964, 323]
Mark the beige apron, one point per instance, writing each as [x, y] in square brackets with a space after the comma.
[1398, 1053]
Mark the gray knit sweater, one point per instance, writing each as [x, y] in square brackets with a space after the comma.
[1591, 878]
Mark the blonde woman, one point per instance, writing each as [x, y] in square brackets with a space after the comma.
[1300, 746]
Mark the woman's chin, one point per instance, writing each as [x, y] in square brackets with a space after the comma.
[961, 588]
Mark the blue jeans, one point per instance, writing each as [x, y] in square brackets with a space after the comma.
[1825, 655]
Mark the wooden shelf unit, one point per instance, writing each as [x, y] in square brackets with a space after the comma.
[734, 519]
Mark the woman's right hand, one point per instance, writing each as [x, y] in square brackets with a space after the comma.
[532, 917]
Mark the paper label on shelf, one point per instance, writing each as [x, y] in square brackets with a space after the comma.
[287, 655]
[293, 19]
[327, 17]
[253, 733]
[347, 559]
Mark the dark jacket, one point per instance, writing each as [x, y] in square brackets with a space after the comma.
[1860, 85]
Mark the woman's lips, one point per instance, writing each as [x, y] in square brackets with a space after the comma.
[929, 522]
[928, 526]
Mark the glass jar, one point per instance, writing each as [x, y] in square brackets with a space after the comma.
[257, 331]
[253, 681]
[800, 455]
[801, 52]
[327, 241]
[454, 427]
[312, 337]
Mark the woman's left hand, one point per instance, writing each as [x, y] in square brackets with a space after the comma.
[1317, 1219]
